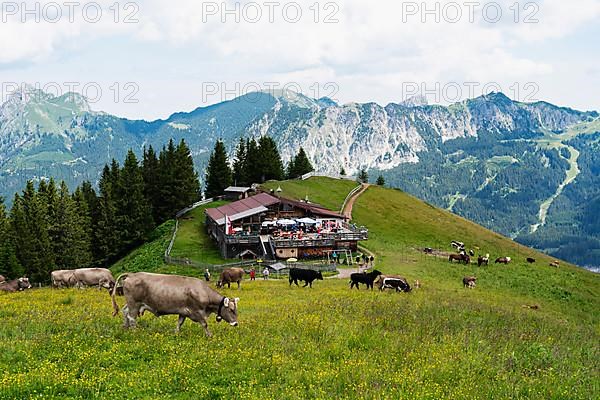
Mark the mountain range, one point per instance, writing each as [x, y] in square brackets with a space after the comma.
[526, 170]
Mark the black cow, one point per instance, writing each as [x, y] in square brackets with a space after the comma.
[400, 284]
[530, 260]
[362, 277]
[306, 275]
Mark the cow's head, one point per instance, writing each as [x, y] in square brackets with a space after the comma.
[23, 283]
[219, 284]
[319, 275]
[228, 311]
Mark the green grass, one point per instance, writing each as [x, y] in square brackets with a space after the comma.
[193, 242]
[328, 192]
[441, 341]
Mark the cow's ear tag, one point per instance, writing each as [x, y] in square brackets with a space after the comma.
[226, 302]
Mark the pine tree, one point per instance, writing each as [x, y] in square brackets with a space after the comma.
[240, 177]
[167, 177]
[30, 226]
[290, 172]
[218, 173]
[69, 239]
[380, 180]
[252, 162]
[269, 163]
[91, 199]
[186, 182]
[84, 228]
[299, 165]
[134, 215]
[152, 188]
[106, 237]
[363, 176]
[9, 265]
[342, 171]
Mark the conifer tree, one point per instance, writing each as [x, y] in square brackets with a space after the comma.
[218, 173]
[269, 160]
[9, 265]
[106, 237]
[69, 239]
[134, 216]
[152, 182]
[380, 180]
[299, 165]
[186, 182]
[252, 162]
[342, 171]
[84, 228]
[363, 176]
[167, 178]
[30, 224]
[240, 177]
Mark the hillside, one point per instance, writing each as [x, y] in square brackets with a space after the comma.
[440, 341]
[526, 170]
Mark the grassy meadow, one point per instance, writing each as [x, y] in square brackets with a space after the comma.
[438, 342]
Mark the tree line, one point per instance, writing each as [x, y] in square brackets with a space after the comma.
[49, 228]
[254, 162]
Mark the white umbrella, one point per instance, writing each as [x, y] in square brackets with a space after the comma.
[286, 222]
[307, 220]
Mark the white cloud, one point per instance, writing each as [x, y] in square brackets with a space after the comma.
[370, 53]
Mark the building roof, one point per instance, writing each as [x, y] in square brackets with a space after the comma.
[242, 208]
[237, 189]
[314, 209]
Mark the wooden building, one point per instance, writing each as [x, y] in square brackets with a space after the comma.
[275, 227]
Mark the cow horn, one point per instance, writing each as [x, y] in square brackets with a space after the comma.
[226, 302]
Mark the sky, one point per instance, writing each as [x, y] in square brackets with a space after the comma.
[148, 59]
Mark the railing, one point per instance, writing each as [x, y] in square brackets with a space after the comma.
[349, 196]
[325, 175]
[193, 206]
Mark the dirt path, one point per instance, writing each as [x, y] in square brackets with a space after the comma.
[347, 211]
[344, 273]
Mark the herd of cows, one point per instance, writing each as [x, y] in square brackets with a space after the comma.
[193, 298]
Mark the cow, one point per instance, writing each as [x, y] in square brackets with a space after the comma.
[457, 245]
[469, 281]
[306, 275]
[502, 260]
[172, 294]
[472, 253]
[364, 277]
[417, 284]
[16, 285]
[530, 260]
[63, 278]
[100, 277]
[396, 282]
[459, 257]
[2, 279]
[229, 275]
[555, 264]
[483, 260]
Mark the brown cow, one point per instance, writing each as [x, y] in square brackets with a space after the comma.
[555, 264]
[63, 278]
[100, 277]
[2, 279]
[469, 281]
[459, 257]
[16, 285]
[502, 260]
[483, 260]
[229, 275]
[172, 294]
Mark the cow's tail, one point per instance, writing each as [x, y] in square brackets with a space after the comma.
[114, 293]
